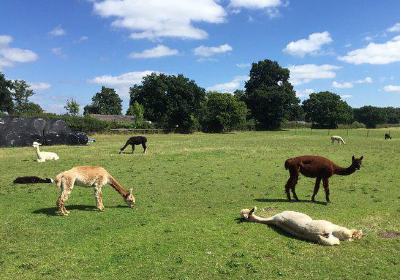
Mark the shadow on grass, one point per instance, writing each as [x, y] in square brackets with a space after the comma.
[285, 200]
[53, 211]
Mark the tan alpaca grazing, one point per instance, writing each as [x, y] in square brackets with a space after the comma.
[89, 176]
[303, 226]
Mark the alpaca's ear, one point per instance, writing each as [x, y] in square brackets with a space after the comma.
[361, 157]
[352, 158]
[130, 191]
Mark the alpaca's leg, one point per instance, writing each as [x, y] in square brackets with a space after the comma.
[133, 148]
[124, 147]
[326, 187]
[99, 197]
[293, 188]
[316, 188]
[66, 188]
[144, 147]
[328, 241]
[333, 141]
[291, 185]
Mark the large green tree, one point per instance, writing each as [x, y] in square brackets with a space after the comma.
[223, 112]
[370, 116]
[327, 109]
[31, 109]
[6, 102]
[136, 110]
[268, 94]
[174, 100]
[105, 102]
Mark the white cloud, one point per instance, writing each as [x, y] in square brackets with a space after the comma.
[81, 39]
[57, 31]
[394, 28]
[342, 85]
[231, 86]
[302, 74]
[243, 65]
[271, 6]
[9, 56]
[18, 55]
[256, 4]
[158, 51]
[39, 86]
[367, 80]
[311, 45]
[347, 46]
[304, 93]
[392, 88]
[346, 96]
[210, 51]
[121, 82]
[375, 53]
[159, 18]
[5, 40]
[59, 52]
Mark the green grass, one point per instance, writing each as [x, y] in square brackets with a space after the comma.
[189, 190]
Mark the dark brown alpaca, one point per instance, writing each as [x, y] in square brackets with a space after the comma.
[316, 167]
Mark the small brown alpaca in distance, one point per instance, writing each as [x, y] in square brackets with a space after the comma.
[316, 167]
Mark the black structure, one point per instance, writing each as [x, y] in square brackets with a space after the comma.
[20, 132]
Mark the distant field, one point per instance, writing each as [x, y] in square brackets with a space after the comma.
[189, 190]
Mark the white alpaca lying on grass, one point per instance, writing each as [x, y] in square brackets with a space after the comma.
[338, 139]
[303, 226]
[43, 156]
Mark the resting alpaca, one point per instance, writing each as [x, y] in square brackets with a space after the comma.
[338, 139]
[43, 156]
[89, 176]
[135, 140]
[387, 136]
[303, 226]
[316, 167]
[32, 180]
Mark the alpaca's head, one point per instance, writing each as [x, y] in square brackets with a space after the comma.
[246, 213]
[356, 234]
[356, 162]
[36, 144]
[129, 198]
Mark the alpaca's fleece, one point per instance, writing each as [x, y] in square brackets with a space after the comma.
[303, 226]
[338, 139]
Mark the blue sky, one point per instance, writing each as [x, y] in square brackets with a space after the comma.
[69, 49]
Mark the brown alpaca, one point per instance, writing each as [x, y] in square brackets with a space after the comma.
[316, 167]
[89, 176]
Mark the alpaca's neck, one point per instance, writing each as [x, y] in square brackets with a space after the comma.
[117, 187]
[343, 171]
[37, 151]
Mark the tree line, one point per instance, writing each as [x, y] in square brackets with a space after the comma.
[174, 101]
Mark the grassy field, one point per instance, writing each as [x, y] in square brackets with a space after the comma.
[189, 190]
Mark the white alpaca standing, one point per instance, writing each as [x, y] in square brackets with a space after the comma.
[338, 139]
[303, 226]
[43, 156]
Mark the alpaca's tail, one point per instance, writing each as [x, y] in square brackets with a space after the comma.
[287, 164]
[249, 215]
[58, 180]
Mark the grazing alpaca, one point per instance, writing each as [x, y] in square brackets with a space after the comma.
[338, 139]
[32, 180]
[387, 136]
[89, 176]
[135, 140]
[43, 156]
[303, 226]
[316, 167]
